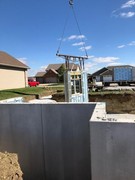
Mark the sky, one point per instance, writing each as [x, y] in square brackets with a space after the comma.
[32, 30]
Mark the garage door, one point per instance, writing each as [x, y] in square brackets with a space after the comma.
[51, 80]
[97, 78]
[107, 78]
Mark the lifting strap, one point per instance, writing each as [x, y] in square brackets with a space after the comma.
[79, 30]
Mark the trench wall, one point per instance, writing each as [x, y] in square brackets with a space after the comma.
[115, 103]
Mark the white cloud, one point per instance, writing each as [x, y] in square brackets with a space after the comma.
[119, 12]
[33, 72]
[72, 37]
[43, 68]
[128, 4]
[89, 66]
[114, 64]
[105, 59]
[127, 14]
[132, 43]
[85, 48]
[95, 63]
[132, 64]
[90, 57]
[121, 46]
[78, 44]
[23, 60]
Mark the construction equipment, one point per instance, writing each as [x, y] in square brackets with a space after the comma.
[72, 80]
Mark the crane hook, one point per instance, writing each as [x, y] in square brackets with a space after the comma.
[71, 2]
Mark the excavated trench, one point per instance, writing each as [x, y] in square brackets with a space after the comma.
[115, 103]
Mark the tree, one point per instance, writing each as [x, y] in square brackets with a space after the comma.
[61, 71]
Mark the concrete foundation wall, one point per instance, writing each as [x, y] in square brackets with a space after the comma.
[51, 140]
[112, 151]
[60, 142]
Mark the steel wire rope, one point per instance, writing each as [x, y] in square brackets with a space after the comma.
[63, 32]
[79, 30]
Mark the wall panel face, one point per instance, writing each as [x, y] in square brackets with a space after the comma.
[21, 133]
[112, 151]
[51, 140]
[67, 147]
[133, 73]
[107, 78]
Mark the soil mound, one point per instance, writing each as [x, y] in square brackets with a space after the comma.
[9, 167]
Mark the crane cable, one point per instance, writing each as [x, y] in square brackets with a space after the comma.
[63, 32]
[81, 37]
[79, 30]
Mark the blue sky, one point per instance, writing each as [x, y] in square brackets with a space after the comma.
[30, 30]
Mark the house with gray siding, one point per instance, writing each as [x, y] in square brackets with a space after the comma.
[118, 74]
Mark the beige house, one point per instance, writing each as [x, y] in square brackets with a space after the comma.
[13, 73]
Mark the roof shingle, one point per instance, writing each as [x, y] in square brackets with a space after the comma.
[7, 60]
[40, 74]
[72, 66]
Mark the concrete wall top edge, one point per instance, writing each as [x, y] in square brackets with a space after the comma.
[64, 103]
[114, 122]
[115, 118]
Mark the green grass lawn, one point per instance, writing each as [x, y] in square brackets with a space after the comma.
[29, 92]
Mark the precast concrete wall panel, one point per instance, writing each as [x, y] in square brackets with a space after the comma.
[67, 142]
[52, 140]
[21, 133]
[112, 150]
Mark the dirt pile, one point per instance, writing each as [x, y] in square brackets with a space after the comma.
[9, 167]
[115, 103]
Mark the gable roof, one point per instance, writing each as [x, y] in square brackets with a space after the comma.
[40, 74]
[7, 60]
[54, 71]
[100, 71]
[53, 66]
[119, 66]
[108, 72]
[57, 66]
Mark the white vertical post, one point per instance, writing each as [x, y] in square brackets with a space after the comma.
[84, 86]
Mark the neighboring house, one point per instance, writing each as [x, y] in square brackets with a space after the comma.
[115, 74]
[123, 73]
[40, 77]
[13, 73]
[102, 74]
[52, 73]
[56, 67]
[31, 78]
[51, 76]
